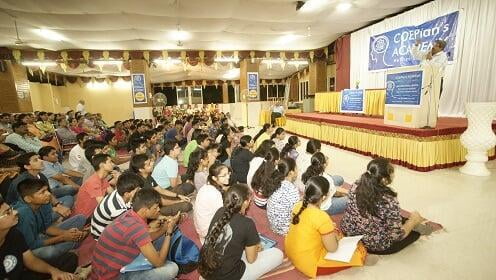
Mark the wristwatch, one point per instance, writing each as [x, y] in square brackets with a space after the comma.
[167, 234]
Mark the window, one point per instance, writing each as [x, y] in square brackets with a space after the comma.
[281, 90]
[182, 95]
[196, 95]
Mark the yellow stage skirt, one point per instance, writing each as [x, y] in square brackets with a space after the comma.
[329, 102]
[418, 153]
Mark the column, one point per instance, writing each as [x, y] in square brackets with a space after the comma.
[144, 110]
[317, 77]
[14, 88]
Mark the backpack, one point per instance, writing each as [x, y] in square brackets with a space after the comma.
[184, 252]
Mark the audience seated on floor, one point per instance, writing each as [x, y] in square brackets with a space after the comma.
[91, 148]
[240, 159]
[374, 212]
[283, 195]
[197, 172]
[76, 154]
[232, 248]
[60, 179]
[259, 184]
[122, 241]
[172, 200]
[209, 198]
[19, 260]
[22, 139]
[312, 234]
[279, 138]
[45, 238]
[258, 159]
[96, 186]
[264, 134]
[289, 150]
[337, 199]
[116, 203]
[305, 159]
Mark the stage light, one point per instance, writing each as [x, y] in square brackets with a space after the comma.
[49, 34]
[343, 6]
[39, 63]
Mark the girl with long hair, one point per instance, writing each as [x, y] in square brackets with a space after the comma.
[278, 137]
[261, 191]
[374, 212]
[232, 247]
[258, 158]
[197, 171]
[316, 228]
[209, 198]
[289, 150]
[263, 134]
[336, 200]
[282, 194]
[240, 159]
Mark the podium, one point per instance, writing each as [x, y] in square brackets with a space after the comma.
[412, 96]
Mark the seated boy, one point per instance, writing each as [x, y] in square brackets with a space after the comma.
[18, 260]
[59, 178]
[35, 222]
[123, 240]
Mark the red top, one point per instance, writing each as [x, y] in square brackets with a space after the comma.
[119, 135]
[86, 197]
[119, 245]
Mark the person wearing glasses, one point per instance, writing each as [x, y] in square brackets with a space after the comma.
[18, 260]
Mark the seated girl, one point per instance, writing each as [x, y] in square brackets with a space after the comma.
[312, 234]
[258, 159]
[278, 137]
[336, 200]
[232, 248]
[263, 134]
[289, 150]
[197, 172]
[209, 198]
[264, 173]
[283, 195]
[374, 211]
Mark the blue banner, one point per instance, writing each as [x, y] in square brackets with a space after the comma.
[404, 89]
[393, 49]
[138, 88]
[352, 100]
[253, 86]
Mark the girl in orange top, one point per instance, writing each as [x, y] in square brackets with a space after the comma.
[312, 234]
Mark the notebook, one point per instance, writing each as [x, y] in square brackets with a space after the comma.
[138, 264]
[266, 242]
[346, 248]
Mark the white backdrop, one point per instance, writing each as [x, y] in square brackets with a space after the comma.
[472, 76]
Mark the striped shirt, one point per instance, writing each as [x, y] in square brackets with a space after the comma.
[111, 207]
[119, 245]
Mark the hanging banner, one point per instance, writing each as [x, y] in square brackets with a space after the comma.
[352, 101]
[253, 86]
[404, 89]
[393, 49]
[138, 88]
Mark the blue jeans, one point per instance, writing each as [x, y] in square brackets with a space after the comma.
[338, 205]
[56, 250]
[67, 201]
[166, 272]
[61, 191]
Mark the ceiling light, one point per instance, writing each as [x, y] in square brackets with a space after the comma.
[231, 74]
[107, 62]
[49, 34]
[343, 6]
[179, 35]
[167, 61]
[226, 59]
[121, 84]
[288, 38]
[97, 86]
[313, 5]
[39, 63]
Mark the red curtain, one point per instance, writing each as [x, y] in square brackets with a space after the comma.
[342, 54]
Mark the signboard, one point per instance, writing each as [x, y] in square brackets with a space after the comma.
[393, 49]
[352, 100]
[138, 88]
[404, 89]
[253, 86]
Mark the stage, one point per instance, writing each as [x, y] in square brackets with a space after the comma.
[417, 149]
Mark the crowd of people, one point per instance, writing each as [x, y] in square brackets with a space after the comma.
[129, 185]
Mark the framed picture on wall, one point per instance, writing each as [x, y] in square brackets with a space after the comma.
[138, 88]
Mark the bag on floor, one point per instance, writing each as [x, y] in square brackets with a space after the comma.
[184, 252]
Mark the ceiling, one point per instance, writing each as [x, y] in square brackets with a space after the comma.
[210, 25]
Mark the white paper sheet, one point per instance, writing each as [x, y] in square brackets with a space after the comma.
[346, 248]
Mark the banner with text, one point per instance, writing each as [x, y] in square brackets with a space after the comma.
[352, 100]
[253, 86]
[393, 49]
[138, 88]
[404, 89]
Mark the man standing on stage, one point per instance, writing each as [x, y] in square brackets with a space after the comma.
[435, 58]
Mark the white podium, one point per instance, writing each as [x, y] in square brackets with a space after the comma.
[415, 115]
